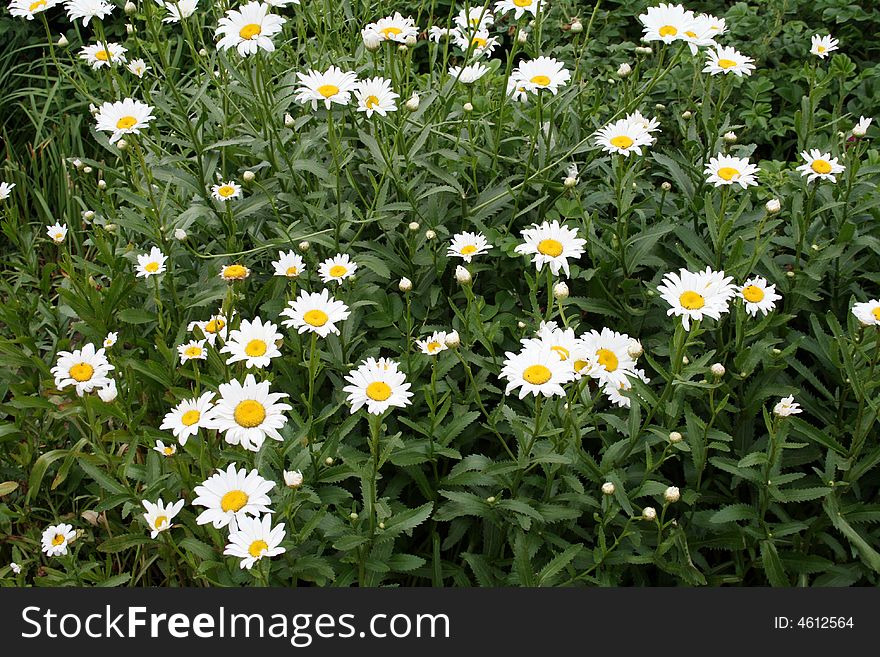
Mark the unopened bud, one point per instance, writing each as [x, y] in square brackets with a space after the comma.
[522, 37]
[88, 215]
[467, 107]
[293, 478]
[608, 488]
[414, 225]
[521, 324]
[577, 27]
[203, 52]
[87, 169]
[413, 103]
[643, 50]
[304, 246]
[675, 437]
[381, 525]
[491, 499]
[248, 176]
[372, 40]
[110, 228]
[462, 275]
[129, 29]
[686, 115]
[730, 137]
[405, 285]
[672, 494]
[718, 370]
[666, 185]
[353, 516]
[328, 460]
[790, 274]
[430, 234]
[179, 234]
[122, 144]
[560, 291]
[773, 206]
[815, 247]
[289, 121]
[62, 41]
[685, 360]
[649, 513]
[130, 8]
[634, 348]
[570, 181]
[453, 339]
[624, 70]
[102, 184]
[401, 48]
[411, 40]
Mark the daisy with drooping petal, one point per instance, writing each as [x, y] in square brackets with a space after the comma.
[57, 232]
[87, 10]
[255, 539]
[165, 450]
[787, 406]
[247, 413]
[474, 19]
[393, 28]
[316, 312]
[103, 54]
[226, 191]
[185, 419]
[375, 95]
[609, 351]
[56, 538]
[192, 350]
[821, 46]
[542, 73]
[536, 370]
[230, 495]
[234, 272]
[216, 326]
[249, 28]
[378, 385]
[820, 165]
[468, 74]
[179, 10]
[623, 137]
[697, 295]
[151, 264]
[124, 117]
[614, 392]
[253, 342]
[28, 9]
[759, 295]
[159, 516]
[552, 244]
[332, 86]
[729, 170]
[518, 7]
[479, 43]
[724, 59]
[111, 339]
[5, 190]
[867, 312]
[643, 122]
[337, 268]
[289, 264]
[85, 369]
[109, 392]
[433, 344]
[137, 67]
[468, 246]
[516, 90]
[667, 23]
[436, 33]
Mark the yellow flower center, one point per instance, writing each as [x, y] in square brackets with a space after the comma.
[562, 351]
[821, 166]
[550, 247]
[36, 5]
[523, 3]
[102, 55]
[667, 30]
[433, 346]
[691, 34]
[540, 80]
[59, 237]
[608, 359]
[81, 372]
[728, 173]
[214, 326]
[226, 191]
[190, 417]
[126, 122]
[193, 352]
[821, 48]
[234, 500]
[249, 31]
[481, 43]
[876, 313]
[58, 539]
[234, 272]
[726, 63]
[292, 271]
[328, 90]
[378, 391]
[257, 548]
[468, 249]
[161, 521]
[338, 271]
[389, 32]
[580, 364]
[692, 300]
[255, 348]
[371, 102]
[168, 451]
[537, 374]
[315, 317]
[621, 141]
[151, 267]
[249, 413]
[753, 293]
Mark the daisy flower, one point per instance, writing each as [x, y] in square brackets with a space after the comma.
[729, 170]
[820, 165]
[433, 344]
[609, 351]
[293, 478]
[867, 312]
[316, 312]
[536, 370]
[108, 393]
[393, 28]
[468, 245]
[378, 385]
[542, 73]
[123, 117]
[516, 90]
[480, 43]
[231, 495]
[165, 450]
[436, 33]
[178, 10]
[57, 232]
[111, 339]
[249, 28]
[701, 34]
[337, 268]
[475, 19]
[860, 129]
[332, 86]
[643, 122]
[56, 538]
[468, 74]
[151, 264]
[623, 137]
[724, 59]
[159, 516]
[822, 45]
[103, 54]
[29, 8]
[759, 295]
[289, 264]
[87, 10]
[787, 406]
[552, 245]
[253, 342]
[192, 350]
[255, 539]
[215, 326]
[614, 392]
[226, 191]
[5, 190]
[137, 67]
[375, 95]
[85, 369]
[564, 343]
[717, 26]
[185, 419]
[518, 7]
[247, 413]
[667, 23]
[696, 295]
[234, 272]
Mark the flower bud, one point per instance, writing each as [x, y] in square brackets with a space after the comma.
[859, 131]
[129, 29]
[411, 40]
[413, 103]
[675, 437]
[634, 348]
[718, 370]
[401, 48]
[122, 144]
[203, 52]
[608, 488]
[643, 50]
[467, 107]
[790, 274]
[462, 275]
[62, 41]
[672, 494]
[776, 352]
[521, 324]
[405, 285]
[304, 246]
[624, 70]
[773, 206]
[730, 137]
[77, 163]
[381, 525]
[293, 478]
[430, 234]
[87, 169]
[109, 392]
[180, 234]
[88, 215]
[353, 516]
[414, 225]
[491, 499]
[659, 107]
[570, 181]
[560, 291]
[577, 27]
[248, 176]
[110, 228]
[686, 115]
[649, 513]
[685, 360]
[102, 184]
[522, 36]
[130, 8]
[453, 339]
[372, 40]
[289, 121]
[328, 460]
[815, 247]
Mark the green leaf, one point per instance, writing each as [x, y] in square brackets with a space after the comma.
[733, 513]
[772, 565]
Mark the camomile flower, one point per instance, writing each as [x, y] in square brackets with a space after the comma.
[667, 22]
[623, 137]
[758, 295]
[724, 59]
[820, 165]
[179, 10]
[433, 344]
[231, 495]
[5, 190]
[436, 33]
[696, 295]
[315, 312]
[394, 28]
[519, 7]
[123, 117]
[867, 312]
[337, 268]
[468, 74]
[57, 232]
[29, 8]
[249, 28]
[614, 392]
[700, 34]
[103, 54]
[860, 129]
[643, 122]
[56, 538]
[85, 369]
[375, 95]
[567, 346]
[480, 43]
[552, 244]
[192, 350]
[729, 170]
[165, 450]
[332, 86]
[111, 339]
[516, 90]
[475, 19]
[217, 325]
[255, 539]
[289, 264]
[542, 73]
[226, 191]
[253, 342]
[468, 246]
[821, 46]
[787, 406]
[151, 264]
[378, 385]
[87, 10]
[609, 351]
[185, 419]
[159, 516]
[717, 26]
[234, 272]
[137, 67]
[536, 370]
[247, 413]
